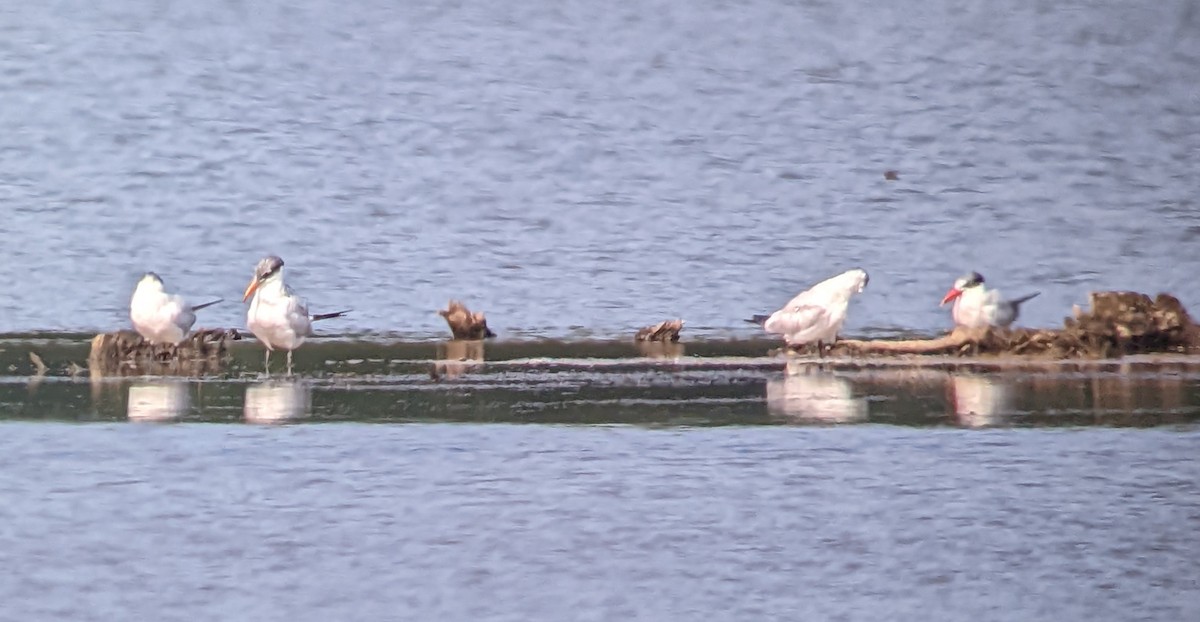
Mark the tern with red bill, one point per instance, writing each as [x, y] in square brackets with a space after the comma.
[160, 317]
[976, 306]
[277, 316]
[817, 314]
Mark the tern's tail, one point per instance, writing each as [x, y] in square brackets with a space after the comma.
[207, 304]
[1024, 298]
[329, 316]
[758, 319]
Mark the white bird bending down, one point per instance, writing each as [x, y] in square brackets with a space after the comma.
[817, 314]
[160, 317]
[277, 316]
[976, 306]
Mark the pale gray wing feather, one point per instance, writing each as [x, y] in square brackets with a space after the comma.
[821, 294]
[805, 298]
[297, 313]
[800, 324]
[182, 311]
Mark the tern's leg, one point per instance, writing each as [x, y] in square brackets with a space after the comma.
[289, 357]
[820, 349]
[267, 364]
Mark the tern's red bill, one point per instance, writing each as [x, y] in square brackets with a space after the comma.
[951, 295]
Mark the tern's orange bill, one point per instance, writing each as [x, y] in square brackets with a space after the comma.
[250, 289]
[951, 295]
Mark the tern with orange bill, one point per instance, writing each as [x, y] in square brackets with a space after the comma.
[160, 317]
[817, 314]
[277, 316]
[976, 306]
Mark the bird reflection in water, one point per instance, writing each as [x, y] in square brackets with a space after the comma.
[160, 401]
[277, 401]
[809, 395]
[667, 350]
[980, 401]
[457, 357]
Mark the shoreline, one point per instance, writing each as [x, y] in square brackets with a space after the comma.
[68, 356]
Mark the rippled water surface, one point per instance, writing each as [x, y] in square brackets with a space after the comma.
[584, 168]
[625, 487]
[578, 169]
[506, 522]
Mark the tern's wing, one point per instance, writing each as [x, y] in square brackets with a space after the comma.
[824, 293]
[207, 304]
[798, 322]
[178, 312]
[296, 302]
[808, 297]
[1016, 302]
[1005, 312]
[297, 313]
[997, 311]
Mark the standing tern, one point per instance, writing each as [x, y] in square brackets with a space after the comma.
[277, 316]
[160, 317]
[816, 315]
[976, 306]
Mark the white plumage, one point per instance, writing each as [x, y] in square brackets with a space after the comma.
[277, 316]
[160, 317]
[976, 306]
[817, 314]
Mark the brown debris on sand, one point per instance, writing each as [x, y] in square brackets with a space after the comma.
[464, 324]
[1118, 323]
[666, 330]
[126, 353]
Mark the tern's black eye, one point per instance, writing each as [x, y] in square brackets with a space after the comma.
[971, 280]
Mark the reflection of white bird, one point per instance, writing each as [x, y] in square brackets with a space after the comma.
[976, 306]
[158, 401]
[277, 316]
[980, 401]
[817, 314]
[819, 397]
[160, 317]
[277, 402]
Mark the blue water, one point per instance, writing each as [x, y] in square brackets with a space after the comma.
[577, 169]
[584, 169]
[504, 522]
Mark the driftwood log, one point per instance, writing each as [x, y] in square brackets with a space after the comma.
[464, 324]
[667, 330]
[127, 353]
[1118, 323]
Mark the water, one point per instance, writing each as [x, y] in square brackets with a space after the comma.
[720, 383]
[577, 171]
[601, 487]
[507, 522]
[582, 170]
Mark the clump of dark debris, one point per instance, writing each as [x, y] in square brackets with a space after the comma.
[126, 353]
[464, 324]
[666, 330]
